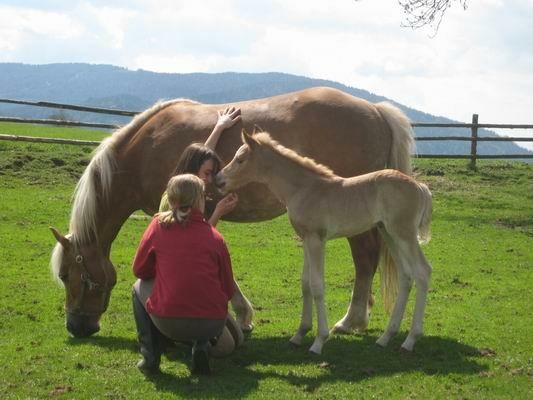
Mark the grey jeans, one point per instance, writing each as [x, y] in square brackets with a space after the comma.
[191, 329]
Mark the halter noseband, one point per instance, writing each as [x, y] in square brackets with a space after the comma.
[90, 284]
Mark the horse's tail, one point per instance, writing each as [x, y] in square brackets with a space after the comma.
[424, 227]
[399, 159]
[402, 137]
[95, 183]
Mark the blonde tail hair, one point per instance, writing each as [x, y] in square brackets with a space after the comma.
[400, 159]
[185, 192]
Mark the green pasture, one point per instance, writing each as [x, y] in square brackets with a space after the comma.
[477, 345]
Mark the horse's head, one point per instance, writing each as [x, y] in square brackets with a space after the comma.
[243, 168]
[88, 277]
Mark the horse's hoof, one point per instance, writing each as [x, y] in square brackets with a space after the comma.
[293, 345]
[341, 330]
[247, 328]
[315, 351]
[405, 352]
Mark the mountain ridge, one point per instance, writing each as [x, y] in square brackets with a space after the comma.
[103, 85]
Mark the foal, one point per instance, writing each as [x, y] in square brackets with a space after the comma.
[323, 206]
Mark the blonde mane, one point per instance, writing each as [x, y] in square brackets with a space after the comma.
[98, 176]
[305, 162]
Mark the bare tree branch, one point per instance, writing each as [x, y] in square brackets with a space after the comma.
[419, 13]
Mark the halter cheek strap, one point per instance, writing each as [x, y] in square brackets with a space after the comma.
[88, 284]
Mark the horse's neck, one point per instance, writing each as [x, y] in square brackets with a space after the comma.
[110, 221]
[286, 177]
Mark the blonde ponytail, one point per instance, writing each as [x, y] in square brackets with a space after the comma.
[185, 192]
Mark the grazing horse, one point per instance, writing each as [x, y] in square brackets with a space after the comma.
[130, 169]
[323, 206]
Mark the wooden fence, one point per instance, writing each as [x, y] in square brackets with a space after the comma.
[474, 126]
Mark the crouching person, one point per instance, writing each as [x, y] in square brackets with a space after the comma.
[185, 282]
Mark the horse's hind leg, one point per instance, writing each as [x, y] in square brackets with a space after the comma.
[421, 271]
[243, 309]
[365, 253]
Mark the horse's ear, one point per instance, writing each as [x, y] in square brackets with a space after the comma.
[60, 238]
[248, 139]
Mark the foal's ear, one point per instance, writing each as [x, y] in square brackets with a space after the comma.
[248, 139]
[60, 238]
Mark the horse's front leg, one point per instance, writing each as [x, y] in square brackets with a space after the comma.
[365, 253]
[315, 249]
[243, 309]
[306, 321]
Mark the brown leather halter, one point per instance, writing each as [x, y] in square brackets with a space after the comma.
[88, 285]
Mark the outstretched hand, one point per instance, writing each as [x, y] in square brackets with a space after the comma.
[229, 117]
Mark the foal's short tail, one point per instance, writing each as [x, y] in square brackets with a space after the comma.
[388, 270]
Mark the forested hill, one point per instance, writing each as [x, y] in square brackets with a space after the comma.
[116, 87]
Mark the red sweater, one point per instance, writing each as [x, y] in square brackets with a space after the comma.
[191, 266]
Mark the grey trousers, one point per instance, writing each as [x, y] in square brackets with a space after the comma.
[190, 329]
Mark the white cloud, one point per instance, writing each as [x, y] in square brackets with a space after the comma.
[111, 23]
[479, 62]
[19, 25]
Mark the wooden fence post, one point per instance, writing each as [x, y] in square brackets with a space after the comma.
[473, 145]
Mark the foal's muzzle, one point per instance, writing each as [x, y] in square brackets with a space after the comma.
[220, 183]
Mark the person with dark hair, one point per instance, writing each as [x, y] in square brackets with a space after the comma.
[202, 161]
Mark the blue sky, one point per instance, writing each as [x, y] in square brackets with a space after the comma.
[480, 61]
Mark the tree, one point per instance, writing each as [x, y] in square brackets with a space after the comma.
[420, 13]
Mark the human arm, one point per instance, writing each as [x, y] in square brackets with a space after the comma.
[226, 272]
[144, 262]
[226, 119]
[223, 207]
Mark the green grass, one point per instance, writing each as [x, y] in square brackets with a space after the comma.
[477, 342]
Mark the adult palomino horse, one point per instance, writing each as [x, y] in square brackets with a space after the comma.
[323, 206]
[130, 169]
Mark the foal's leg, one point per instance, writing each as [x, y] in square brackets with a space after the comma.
[365, 253]
[405, 283]
[306, 321]
[422, 274]
[243, 309]
[315, 250]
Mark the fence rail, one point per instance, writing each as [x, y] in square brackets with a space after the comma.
[474, 126]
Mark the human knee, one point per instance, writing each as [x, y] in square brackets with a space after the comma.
[224, 346]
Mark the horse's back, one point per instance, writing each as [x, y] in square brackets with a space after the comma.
[332, 127]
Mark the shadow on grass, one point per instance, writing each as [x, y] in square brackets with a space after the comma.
[108, 342]
[345, 359]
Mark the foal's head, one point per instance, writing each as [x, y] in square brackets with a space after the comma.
[246, 165]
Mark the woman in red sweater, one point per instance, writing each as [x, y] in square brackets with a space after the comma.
[185, 277]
